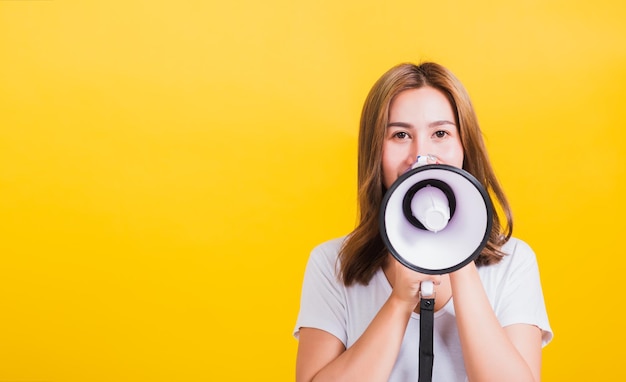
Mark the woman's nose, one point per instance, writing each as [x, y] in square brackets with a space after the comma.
[422, 148]
[427, 149]
[418, 149]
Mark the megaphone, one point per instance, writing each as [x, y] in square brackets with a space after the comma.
[436, 218]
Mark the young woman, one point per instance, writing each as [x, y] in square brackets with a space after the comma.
[359, 312]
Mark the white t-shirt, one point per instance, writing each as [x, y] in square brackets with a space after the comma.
[512, 286]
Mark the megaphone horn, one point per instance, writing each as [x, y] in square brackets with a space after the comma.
[436, 218]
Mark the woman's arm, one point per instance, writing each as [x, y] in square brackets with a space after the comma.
[322, 357]
[491, 352]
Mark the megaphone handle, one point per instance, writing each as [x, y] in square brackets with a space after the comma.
[427, 308]
[427, 289]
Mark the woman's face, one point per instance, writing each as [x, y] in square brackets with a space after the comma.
[421, 122]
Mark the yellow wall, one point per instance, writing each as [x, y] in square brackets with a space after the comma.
[166, 167]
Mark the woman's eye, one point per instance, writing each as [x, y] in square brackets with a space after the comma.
[440, 134]
[401, 135]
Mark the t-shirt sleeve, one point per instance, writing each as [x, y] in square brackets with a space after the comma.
[521, 298]
[322, 303]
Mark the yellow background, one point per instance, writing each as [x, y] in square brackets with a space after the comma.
[166, 167]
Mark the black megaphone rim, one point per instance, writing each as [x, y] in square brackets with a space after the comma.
[479, 187]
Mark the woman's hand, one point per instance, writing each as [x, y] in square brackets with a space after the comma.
[406, 282]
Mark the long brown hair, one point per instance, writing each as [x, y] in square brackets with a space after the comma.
[363, 251]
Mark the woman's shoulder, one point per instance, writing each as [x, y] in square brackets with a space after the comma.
[332, 246]
[518, 250]
[518, 255]
[326, 254]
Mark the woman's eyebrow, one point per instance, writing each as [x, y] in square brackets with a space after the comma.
[441, 123]
[400, 124]
[431, 125]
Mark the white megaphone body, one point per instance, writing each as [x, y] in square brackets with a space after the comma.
[435, 218]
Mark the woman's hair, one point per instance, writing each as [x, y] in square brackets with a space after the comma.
[363, 251]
